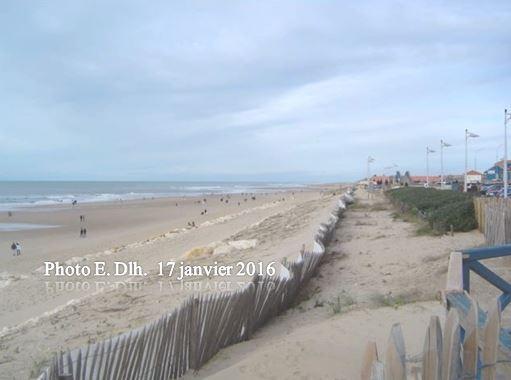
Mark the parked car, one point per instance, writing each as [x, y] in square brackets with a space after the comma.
[500, 193]
[493, 190]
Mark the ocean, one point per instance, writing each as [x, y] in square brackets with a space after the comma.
[15, 194]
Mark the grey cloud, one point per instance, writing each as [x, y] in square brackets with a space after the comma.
[196, 89]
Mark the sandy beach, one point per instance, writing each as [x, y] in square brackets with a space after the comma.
[254, 190]
[40, 315]
[378, 272]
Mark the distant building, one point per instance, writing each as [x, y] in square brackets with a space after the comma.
[453, 178]
[422, 179]
[382, 179]
[405, 179]
[496, 172]
[474, 176]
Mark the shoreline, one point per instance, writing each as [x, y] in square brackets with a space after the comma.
[266, 229]
[95, 198]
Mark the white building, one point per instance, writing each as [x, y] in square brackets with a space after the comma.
[474, 177]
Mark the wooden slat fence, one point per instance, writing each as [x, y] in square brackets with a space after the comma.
[493, 217]
[472, 344]
[448, 355]
[190, 335]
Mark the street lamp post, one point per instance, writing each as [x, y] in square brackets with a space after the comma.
[428, 151]
[467, 136]
[507, 116]
[369, 160]
[369, 187]
[443, 145]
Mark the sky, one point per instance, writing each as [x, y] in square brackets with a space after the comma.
[249, 90]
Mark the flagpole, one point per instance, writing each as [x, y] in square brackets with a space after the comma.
[466, 161]
[369, 187]
[506, 117]
[427, 166]
[467, 135]
[441, 164]
[428, 151]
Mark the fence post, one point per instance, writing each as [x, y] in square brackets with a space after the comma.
[370, 357]
[395, 366]
[194, 334]
[432, 352]
[491, 342]
[471, 341]
[451, 360]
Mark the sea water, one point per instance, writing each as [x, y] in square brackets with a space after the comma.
[16, 194]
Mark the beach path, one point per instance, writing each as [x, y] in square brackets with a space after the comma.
[378, 272]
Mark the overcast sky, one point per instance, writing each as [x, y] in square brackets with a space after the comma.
[248, 90]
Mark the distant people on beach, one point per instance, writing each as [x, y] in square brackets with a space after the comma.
[82, 218]
[16, 248]
[74, 203]
[83, 232]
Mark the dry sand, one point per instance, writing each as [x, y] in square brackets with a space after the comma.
[40, 315]
[379, 272]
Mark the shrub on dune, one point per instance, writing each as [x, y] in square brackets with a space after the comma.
[440, 208]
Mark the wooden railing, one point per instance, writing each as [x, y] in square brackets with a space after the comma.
[472, 345]
[471, 261]
[446, 355]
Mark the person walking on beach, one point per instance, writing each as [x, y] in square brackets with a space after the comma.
[13, 247]
[85, 232]
[18, 248]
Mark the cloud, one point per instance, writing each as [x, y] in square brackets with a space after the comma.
[223, 90]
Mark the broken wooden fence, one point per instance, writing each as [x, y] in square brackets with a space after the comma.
[191, 334]
[473, 345]
[455, 353]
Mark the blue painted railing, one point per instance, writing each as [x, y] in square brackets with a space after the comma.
[471, 262]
